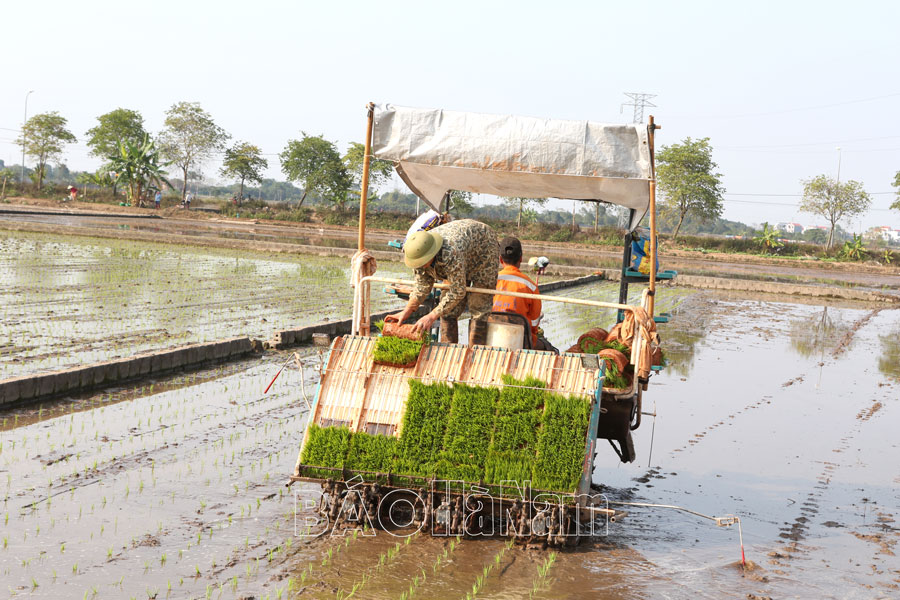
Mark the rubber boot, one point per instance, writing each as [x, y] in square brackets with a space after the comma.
[478, 332]
[449, 331]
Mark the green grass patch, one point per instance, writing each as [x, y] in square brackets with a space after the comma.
[424, 425]
[471, 424]
[396, 351]
[515, 465]
[371, 452]
[451, 470]
[518, 414]
[325, 447]
[561, 443]
[520, 432]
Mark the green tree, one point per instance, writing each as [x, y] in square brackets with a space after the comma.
[6, 175]
[138, 166]
[84, 179]
[380, 171]
[834, 201]
[896, 184]
[461, 203]
[768, 238]
[44, 137]
[688, 182]
[105, 177]
[523, 204]
[815, 235]
[244, 162]
[190, 137]
[113, 128]
[315, 163]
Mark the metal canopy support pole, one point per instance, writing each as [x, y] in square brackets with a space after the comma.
[626, 260]
[652, 127]
[364, 187]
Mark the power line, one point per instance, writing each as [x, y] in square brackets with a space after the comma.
[787, 110]
[868, 139]
[788, 205]
[793, 195]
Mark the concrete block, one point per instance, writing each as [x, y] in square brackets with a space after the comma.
[9, 391]
[104, 373]
[44, 385]
[85, 377]
[26, 388]
[219, 350]
[60, 381]
[134, 367]
[194, 354]
[240, 347]
[143, 364]
[179, 357]
[122, 369]
[71, 381]
[165, 361]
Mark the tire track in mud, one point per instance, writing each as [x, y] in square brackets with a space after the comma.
[794, 533]
[698, 437]
[848, 337]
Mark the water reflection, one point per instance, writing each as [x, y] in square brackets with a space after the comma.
[889, 361]
[680, 337]
[817, 333]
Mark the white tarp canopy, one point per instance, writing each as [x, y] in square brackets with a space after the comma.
[436, 151]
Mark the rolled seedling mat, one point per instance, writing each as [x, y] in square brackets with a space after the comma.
[406, 332]
[620, 359]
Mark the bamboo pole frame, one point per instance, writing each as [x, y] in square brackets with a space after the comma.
[364, 184]
[651, 134]
[363, 290]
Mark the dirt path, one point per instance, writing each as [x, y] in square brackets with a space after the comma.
[205, 228]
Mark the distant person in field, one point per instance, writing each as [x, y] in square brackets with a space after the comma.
[73, 193]
[157, 198]
[511, 279]
[187, 200]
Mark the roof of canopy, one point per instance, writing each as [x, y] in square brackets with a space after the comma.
[435, 151]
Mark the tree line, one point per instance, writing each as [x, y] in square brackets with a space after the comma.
[690, 188]
[134, 158]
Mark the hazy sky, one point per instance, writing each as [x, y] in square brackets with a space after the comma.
[777, 87]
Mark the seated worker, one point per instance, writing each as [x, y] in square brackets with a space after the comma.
[462, 253]
[511, 279]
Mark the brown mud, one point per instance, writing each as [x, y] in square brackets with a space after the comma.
[781, 413]
[179, 226]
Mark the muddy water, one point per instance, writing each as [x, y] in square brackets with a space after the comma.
[173, 492]
[66, 302]
[779, 413]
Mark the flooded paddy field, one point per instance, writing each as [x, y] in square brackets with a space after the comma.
[71, 301]
[778, 412]
[587, 256]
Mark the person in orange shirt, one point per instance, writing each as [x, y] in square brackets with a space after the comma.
[511, 279]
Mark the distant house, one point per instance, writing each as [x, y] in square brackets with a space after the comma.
[884, 233]
[789, 227]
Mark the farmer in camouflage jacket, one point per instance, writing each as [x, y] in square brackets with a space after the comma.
[462, 253]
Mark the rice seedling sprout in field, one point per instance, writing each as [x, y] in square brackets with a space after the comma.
[540, 582]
